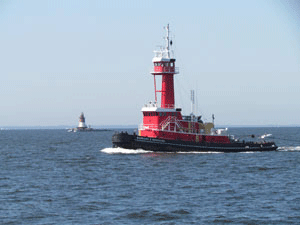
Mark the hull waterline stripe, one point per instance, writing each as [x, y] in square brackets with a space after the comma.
[204, 147]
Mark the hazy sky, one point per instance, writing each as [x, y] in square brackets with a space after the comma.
[59, 58]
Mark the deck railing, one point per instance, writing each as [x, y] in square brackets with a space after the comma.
[173, 70]
[172, 124]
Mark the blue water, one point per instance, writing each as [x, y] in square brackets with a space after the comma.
[56, 177]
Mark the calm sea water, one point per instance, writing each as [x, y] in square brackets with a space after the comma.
[56, 177]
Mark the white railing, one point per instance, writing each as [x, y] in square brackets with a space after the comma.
[172, 124]
[148, 127]
[166, 70]
[171, 120]
[167, 123]
[151, 105]
[154, 105]
[168, 106]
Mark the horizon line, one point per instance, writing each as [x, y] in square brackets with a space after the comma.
[132, 126]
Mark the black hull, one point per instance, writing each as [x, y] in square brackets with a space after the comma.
[129, 141]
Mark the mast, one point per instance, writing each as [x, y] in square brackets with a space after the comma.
[164, 65]
[193, 102]
[168, 41]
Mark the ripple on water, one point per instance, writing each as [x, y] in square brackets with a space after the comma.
[54, 177]
[153, 215]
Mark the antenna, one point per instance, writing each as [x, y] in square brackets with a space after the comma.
[167, 41]
[193, 101]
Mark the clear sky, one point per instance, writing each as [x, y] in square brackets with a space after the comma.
[59, 58]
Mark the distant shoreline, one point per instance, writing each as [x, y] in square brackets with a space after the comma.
[63, 127]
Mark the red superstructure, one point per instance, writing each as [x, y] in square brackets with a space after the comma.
[166, 121]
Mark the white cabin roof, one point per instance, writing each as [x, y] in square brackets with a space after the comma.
[161, 59]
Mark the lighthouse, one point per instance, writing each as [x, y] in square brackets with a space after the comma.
[81, 124]
[164, 66]
[82, 127]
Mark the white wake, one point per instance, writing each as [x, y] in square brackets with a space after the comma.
[123, 151]
[289, 148]
[141, 151]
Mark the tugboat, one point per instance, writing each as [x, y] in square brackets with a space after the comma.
[165, 129]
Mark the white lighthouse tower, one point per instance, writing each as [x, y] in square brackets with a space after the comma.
[82, 127]
[81, 124]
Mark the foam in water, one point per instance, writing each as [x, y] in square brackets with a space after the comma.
[123, 151]
[141, 151]
[289, 148]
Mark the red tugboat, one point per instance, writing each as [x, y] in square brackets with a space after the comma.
[165, 129]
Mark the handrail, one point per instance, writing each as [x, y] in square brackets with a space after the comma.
[168, 106]
[178, 127]
[155, 128]
[171, 70]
